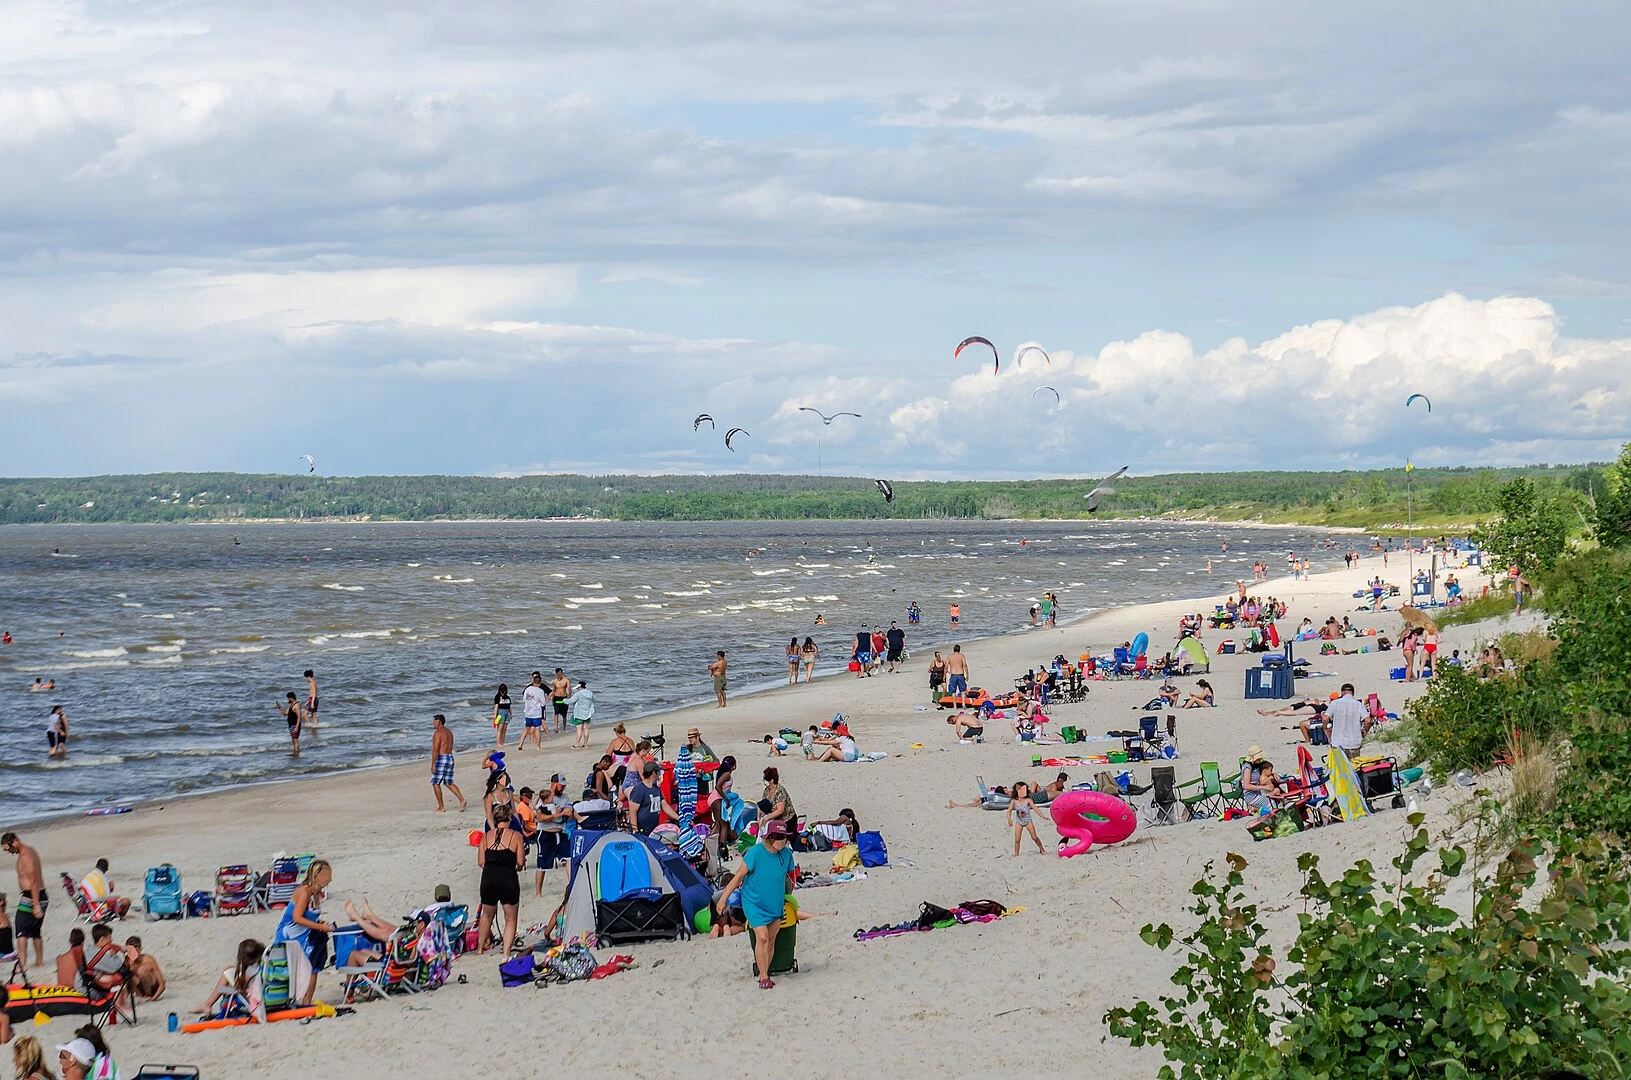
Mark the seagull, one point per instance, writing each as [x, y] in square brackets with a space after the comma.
[1103, 489]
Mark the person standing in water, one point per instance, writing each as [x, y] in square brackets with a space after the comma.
[956, 615]
[718, 670]
[291, 714]
[311, 699]
[441, 763]
[56, 732]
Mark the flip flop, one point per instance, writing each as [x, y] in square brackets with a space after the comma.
[765, 984]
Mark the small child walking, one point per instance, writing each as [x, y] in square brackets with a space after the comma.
[1021, 811]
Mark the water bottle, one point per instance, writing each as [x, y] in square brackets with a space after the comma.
[173, 1024]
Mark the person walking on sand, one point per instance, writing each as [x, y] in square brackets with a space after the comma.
[895, 642]
[1021, 811]
[794, 658]
[581, 706]
[441, 763]
[533, 701]
[762, 877]
[291, 714]
[956, 671]
[501, 715]
[717, 669]
[937, 675]
[31, 904]
[809, 651]
[560, 690]
[311, 699]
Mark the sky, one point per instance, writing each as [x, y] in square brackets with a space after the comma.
[505, 238]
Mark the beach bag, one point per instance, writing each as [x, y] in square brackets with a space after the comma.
[570, 963]
[871, 848]
[931, 915]
[275, 992]
[518, 970]
[855, 665]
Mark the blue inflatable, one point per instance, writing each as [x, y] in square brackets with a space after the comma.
[1141, 644]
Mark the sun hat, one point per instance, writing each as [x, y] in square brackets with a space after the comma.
[1254, 754]
[693, 732]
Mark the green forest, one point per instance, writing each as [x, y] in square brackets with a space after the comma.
[1375, 499]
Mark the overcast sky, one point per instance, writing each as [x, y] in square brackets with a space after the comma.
[502, 237]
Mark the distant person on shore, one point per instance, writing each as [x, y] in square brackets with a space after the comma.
[956, 615]
[1021, 811]
[561, 691]
[1034, 609]
[956, 671]
[1048, 604]
[895, 642]
[621, 745]
[533, 701]
[937, 675]
[98, 888]
[809, 651]
[501, 715]
[580, 711]
[56, 732]
[1349, 722]
[31, 901]
[762, 877]
[1201, 697]
[291, 715]
[717, 669]
[880, 645]
[554, 812]
[700, 751]
[862, 655]
[441, 763]
[794, 659]
[914, 614]
[311, 699]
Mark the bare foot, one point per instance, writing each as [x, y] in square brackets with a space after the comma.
[441, 809]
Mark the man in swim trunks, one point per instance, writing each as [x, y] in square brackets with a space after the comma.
[311, 698]
[956, 671]
[718, 670]
[956, 615]
[559, 691]
[863, 652]
[896, 642]
[31, 904]
[441, 763]
[533, 699]
[146, 978]
[967, 725]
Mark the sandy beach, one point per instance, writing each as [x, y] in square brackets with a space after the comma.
[970, 1001]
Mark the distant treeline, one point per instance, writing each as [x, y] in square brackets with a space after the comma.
[1351, 498]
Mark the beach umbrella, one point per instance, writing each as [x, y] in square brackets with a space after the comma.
[1343, 784]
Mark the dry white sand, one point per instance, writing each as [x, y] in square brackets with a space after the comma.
[1027, 991]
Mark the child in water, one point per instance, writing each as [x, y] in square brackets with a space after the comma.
[1021, 811]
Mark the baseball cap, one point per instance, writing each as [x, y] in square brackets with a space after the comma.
[80, 1049]
[558, 778]
[776, 827]
[651, 768]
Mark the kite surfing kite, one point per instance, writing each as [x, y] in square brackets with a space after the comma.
[311, 461]
[696, 424]
[1103, 489]
[1032, 348]
[888, 490]
[1424, 397]
[732, 433]
[825, 419]
[1057, 400]
[966, 342]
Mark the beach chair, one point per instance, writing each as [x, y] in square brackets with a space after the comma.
[276, 992]
[162, 896]
[1204, 795]
[234, 891]
[277, 886]
[110, 1004]
[88, 910]
[365, 982]
[1164, 804]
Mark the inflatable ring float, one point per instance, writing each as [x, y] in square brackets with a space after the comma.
[1091, 817]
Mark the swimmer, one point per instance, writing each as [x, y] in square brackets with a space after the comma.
[39, 685]
[821, 620]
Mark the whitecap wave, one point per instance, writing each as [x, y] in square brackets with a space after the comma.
[99, 654]
[174, 658]
[574, 626]
[771, 573]
[242, 649]
[594, 599]
[451, 580]
[163, 648]
[131, 603]
[337, 587]
[164, 616]
[689, 592]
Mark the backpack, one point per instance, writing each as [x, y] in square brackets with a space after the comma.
[518, 970]
[872, 850]
[570, 963]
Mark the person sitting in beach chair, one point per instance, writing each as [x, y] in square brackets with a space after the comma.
[237, 992]
[1258, 781]
[106, 977]
[98, 889]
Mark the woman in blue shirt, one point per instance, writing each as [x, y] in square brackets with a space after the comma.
[763, 880]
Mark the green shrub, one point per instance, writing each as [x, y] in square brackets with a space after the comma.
[1462, 722]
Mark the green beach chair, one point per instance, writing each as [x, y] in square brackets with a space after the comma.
[1204, 796]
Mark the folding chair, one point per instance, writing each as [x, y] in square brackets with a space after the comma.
[1205, 797]
[234, 891]
[161, 894]
[86, 909]
[1163, 807]
[111, 1004]
[367, 981]
[279, 884]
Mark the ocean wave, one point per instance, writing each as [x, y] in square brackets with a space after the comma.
[594, 599]
[596, 585]
[451, 580]
[574, 626]
[99, 654]
[689, 592]
[503, 633]
[88, 664]
[320, 639]
[162, 648]
[337, 587]
[771, 573]
[174, 658]
[387, 632]
[164, 616]
[131, 603]
[657, 607]
[240, 649]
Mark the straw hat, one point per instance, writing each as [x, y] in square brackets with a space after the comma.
[1254, 754]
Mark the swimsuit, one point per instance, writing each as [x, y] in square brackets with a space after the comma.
[1022, 815]
[31, 915]
[441, 771]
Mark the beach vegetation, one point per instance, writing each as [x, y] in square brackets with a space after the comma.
[1530, 531]
[1492, 605]
[1611, 503]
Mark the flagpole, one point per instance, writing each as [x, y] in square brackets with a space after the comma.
[1409, 533]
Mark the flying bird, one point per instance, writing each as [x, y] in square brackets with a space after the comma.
[888, 490]
[309, 460]
[697, 423]
[1103, 489]
[825, 419]
[966, 342]
[732, 433]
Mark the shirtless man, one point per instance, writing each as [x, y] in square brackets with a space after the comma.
[441, 763]
[717, 670]
[559, 691]
[967, 725]
[146, 980]
[311, 699]
[31, 904]
[956, 671]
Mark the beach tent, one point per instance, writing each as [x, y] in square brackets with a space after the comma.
[1196, 652]
[1343, 784]
[621, 891]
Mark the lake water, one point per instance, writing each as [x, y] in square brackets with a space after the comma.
[172, 646]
